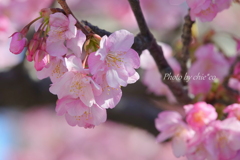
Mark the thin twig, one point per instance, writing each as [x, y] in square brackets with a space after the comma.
[157, 53]
[68, 11]
[186, 41]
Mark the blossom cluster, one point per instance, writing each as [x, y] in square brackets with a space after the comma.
[205, 10]
[202, 136]
[209, 64]
[87, 72]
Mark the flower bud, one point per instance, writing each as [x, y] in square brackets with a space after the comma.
[92, 44]
[18, 43]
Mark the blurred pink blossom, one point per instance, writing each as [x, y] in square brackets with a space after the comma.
[205, 10]
[222, 139]
[209, 66]
[152, 77]
[233, 110]
[40, 136]
[200, 114]
[171, 125]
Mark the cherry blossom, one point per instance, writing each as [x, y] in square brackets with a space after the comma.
[75, 83]
[77, 113]
[170, 124]
[152, 77]
[116, 58]
[61, 28]
[205, 10]
[233, 110]
[222, 141]
[209, 66]
[200, 114]
[55, 69]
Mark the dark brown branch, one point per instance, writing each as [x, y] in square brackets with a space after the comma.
[186, 41]
[139, 41]
[157, 53]
[68, 11]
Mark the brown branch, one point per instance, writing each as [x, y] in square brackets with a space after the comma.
[157, 53]
[186, 41]
[139, 41]
[68, 11]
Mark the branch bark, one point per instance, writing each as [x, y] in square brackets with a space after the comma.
[186, 41]
[68, 11]
[156, 51]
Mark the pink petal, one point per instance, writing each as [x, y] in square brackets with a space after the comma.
[72, 30]
[58, 20]
[56, 49]
[95, 64]
[176, 2]
[76, 44]
[121, 40]
[133, 78]
[179, 146]
[60, 87]
[114, 80]
[75, 107]
[71, 120]
[99, 115]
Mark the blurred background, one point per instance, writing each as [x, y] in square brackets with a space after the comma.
[29, 127]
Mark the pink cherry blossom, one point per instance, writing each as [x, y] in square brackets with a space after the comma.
[205, 10]
[152, 77]
[77, 113]
[233, 110]
[18, 42]
[55, 69]
[208, 9]
[210, 65]
[222, 140]
[196, 149]
[170, 14]
[76, 44]
[109, 97]
[61, 28]
[116, 58]
[75, 83]
[200, 114]
[170, 124]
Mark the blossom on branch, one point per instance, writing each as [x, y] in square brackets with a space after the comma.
[205, 10]
[116, 58]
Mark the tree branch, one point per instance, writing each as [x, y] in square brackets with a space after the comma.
[139, 41]
[186, 41]
[68, 11]
[157, 53]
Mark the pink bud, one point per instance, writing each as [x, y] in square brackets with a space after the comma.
[41, 59]
[32, 48]
[18, 43]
